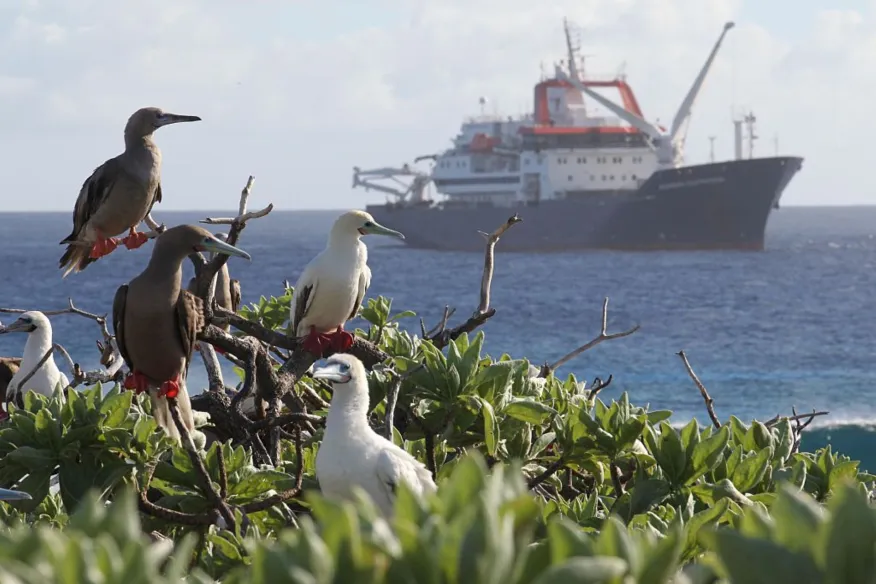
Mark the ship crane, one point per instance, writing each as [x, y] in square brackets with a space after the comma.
[415, 192]
[669, 146]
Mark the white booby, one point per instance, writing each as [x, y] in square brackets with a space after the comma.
[331, 287]
[39, 341]
[351, 453]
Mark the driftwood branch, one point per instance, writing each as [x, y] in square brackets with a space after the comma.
[603, 335]
[710, 403]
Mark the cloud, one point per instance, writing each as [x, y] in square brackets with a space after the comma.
[298, 93]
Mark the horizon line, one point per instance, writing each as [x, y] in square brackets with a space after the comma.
[327, 209]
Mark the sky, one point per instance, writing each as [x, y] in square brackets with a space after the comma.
[298, 92]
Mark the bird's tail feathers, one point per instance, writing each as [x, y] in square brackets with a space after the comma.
[75, 259]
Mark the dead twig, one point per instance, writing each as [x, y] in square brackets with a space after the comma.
[484, 311]
[599, 385]
[710, 403]
[206, 482]
[547, 473]
[603, 335]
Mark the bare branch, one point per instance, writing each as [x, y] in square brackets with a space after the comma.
[484, 311]
[710, 407]
[206, 482]
[489, 256]
[604, 335]
[598, 385]
[548, 473]
[211, 364]
[22, 385]
[60, 348]
[71, 309]
[244, 217]
[391, 401]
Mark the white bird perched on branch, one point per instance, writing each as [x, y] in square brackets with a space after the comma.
[331, 288]
[352, 453]
[39, 342]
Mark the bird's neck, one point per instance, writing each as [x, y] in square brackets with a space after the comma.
[348, 411]
[162, 269]
[134, 142]
[37, 345]
[345, 243]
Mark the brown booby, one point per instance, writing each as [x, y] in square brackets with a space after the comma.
[119, 194]
[156, 322]
[331, 288]
[8, 368]
[227, 293]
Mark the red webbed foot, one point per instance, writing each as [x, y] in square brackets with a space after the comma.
[316, 343]
[219, 350]
[3, 416]
[137, 382]
[341, 340]
[103, 246]
[135, 239]
[170, 388]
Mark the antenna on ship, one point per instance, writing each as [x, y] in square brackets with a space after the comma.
[776, 143]
[483, 102]
[712, 148]
[750, 119]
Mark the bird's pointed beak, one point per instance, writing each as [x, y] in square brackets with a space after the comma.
[218, 246]
[332, 372]
[377, 229]
[19, 326]
[10, 495]
[168, 119]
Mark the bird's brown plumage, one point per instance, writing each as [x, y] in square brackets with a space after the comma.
[8, 367]
[156, 322]
[121, 192]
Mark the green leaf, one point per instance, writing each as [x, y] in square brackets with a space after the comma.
[751, 471]
[584, 571]
[706, 454]
[760, 561]
[851, 539]
[662, 563]
[529, 411]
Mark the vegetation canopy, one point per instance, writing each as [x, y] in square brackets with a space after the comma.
[540, 479]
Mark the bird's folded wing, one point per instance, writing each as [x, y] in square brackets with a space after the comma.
[234, 285]
[119, 303]
[397, 467]
[305, 290]
[364, 282]
[94, 193]
[189, 321]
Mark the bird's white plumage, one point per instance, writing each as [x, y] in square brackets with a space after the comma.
[48, 376]
[331, 288]
[352, 454]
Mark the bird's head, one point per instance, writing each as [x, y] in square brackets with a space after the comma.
[358, 223]
[187, 239]
[341, 369]
[146, 120]
[10, 495]
[27, 323]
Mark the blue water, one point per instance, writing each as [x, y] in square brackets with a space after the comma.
[792, 326]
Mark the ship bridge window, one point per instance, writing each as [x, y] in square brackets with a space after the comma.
[570, 178]
[611, 177]
[624, 177]
[617, 159]
[603, 177]
[633, 177]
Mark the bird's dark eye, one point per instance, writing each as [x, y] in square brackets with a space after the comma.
[369, 224]
[343, 367]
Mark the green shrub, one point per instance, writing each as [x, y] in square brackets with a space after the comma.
[540, 481]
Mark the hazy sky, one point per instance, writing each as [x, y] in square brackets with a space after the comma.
[298, 92]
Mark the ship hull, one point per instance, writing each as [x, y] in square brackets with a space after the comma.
[717, 206]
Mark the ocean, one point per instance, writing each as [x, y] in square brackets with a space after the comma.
[765, 331]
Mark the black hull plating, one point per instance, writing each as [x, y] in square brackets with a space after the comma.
[723, 205]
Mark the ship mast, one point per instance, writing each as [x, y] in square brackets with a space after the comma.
[668, 145]
[572, 50]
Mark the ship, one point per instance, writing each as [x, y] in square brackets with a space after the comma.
[583, 181]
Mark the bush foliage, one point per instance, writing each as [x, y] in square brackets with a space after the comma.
[540, 481]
